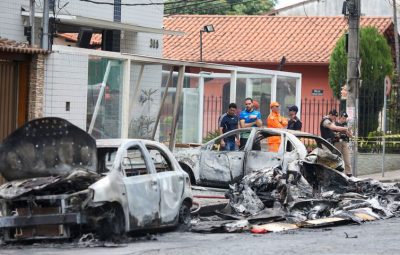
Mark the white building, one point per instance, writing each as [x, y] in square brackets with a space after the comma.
[72, 77]
[370, 8]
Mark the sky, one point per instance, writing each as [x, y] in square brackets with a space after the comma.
[282, 3]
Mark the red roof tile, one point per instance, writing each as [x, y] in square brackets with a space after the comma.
[95, 40]
[12, 46]
[262, 39]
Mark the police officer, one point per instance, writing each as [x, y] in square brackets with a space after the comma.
[342, 142]
[328, 127]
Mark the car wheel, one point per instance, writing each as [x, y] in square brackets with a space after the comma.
[111, 226]
[184, 217]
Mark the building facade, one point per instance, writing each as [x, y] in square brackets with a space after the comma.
[69, 80]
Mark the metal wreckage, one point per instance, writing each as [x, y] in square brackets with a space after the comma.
[61, 184]
[310, 194]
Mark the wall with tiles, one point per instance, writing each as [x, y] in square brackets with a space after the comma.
[66, 81]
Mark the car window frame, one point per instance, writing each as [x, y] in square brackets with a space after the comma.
[163, 154]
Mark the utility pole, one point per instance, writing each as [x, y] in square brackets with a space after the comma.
[45, 25]
[353, 72]
[396, 40]
[32, 21]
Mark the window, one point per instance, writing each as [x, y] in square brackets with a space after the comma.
[133, 162]
[105, 159]
[215, 145]
[309, 142]
[289, 146]
[261, 142]
[160, 160]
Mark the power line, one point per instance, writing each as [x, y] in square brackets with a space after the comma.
[138, 4]
[194, 4]
[216, 6]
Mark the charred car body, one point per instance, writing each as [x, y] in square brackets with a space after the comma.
[209, 165]
[61, 182]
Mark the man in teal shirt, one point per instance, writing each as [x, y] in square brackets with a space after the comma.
[248, 118]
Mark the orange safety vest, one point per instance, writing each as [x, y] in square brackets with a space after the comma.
[275, 120]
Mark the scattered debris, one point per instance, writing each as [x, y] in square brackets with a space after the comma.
[308, 195]
[347, 236]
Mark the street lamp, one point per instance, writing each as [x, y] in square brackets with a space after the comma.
[206, 29]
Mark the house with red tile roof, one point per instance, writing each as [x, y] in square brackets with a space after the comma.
[306, 43]
[262, 41]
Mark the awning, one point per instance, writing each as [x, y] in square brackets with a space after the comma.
[105, 24]
[12, 46]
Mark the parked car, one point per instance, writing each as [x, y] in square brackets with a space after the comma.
[210, 166]
[114, 187]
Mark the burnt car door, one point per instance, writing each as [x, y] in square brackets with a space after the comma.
[260, 156]
[221, 167]
[290, 150]
[172, 182]
[142, 187]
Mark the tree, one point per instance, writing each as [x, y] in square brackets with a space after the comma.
[222, 7]
[376, 63]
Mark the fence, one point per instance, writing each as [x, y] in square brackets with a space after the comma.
[313, 110]
[212, 112]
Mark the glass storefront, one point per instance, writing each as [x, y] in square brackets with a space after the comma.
[205, 97]
[259, 89]
[108, 120]
[285, 93]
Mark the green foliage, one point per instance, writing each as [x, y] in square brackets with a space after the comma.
[211, 135]
[376, 63]
[222, 7]
[338, 67]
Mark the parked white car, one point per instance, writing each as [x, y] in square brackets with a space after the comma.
[61, 182]
[209, 165]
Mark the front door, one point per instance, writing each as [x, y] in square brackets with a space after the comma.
[142, 187]
[221, 166]
[172, 182]
[261, 156]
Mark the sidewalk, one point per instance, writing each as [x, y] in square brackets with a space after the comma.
[389, 176]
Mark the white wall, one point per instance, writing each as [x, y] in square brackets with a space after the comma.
[334, 8]
[66, 80]
[149, 16]
[139, 43]
[11, 22]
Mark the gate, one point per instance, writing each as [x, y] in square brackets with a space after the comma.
[8, 98]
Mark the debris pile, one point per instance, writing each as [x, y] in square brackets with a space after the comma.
[309, 194]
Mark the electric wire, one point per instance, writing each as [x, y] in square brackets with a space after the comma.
[136, 4]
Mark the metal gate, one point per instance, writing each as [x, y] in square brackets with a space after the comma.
[8, 97]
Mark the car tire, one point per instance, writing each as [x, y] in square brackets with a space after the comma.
[112, 224]
[184, 217]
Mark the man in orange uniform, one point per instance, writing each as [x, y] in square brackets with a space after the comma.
[275, 120]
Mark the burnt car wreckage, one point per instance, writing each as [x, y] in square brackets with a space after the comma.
[60, 183]
[301, 185]
[308, 195]
[209, 165]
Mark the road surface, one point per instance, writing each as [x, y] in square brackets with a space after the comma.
[378, 237]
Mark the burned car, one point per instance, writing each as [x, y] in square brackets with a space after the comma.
[210, 166]
[60, 183]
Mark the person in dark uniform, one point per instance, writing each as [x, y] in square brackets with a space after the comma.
[228, 122]
[342, 143]
[294, 122]
[328, 127]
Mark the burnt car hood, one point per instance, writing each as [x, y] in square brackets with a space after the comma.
[47, 147]
[78, 180]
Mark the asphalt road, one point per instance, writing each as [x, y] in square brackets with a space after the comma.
[379, 237]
